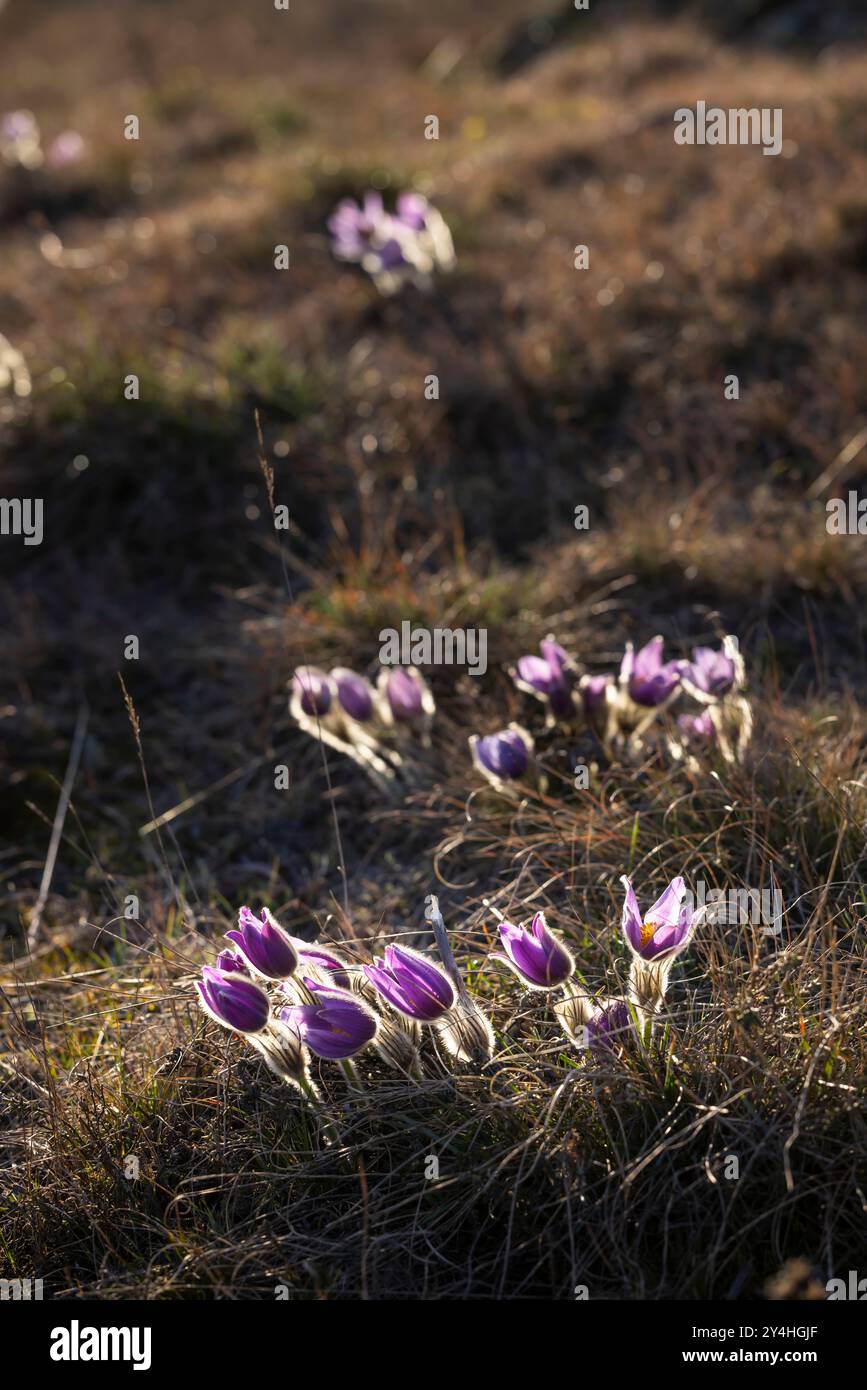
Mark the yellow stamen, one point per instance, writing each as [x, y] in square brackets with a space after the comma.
[647, 933]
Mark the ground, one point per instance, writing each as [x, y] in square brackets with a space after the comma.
[558, 387]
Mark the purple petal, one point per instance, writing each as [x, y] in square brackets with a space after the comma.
[631, 919]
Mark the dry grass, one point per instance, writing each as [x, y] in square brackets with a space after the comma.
[554, 1171]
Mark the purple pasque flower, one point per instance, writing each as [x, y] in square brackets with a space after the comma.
[233, 1000]
[502, 757]
[666, 930]
[411, 984]
[594, 693]
[406, 693]
[231, 961]
[354, 226]
[609, 1025]
[545, 677]
[536, 954]
[333, 967]
[698, 727]
[711, 672]
[336, 1027]
[264, 945]
[366, 233]
[647, 679]
[313, 691]
[413, 210]
[355, 694]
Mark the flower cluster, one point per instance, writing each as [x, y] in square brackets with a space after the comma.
[408, 245]
[623, 709]
[290, 999]
[543, 962]
[372, 724]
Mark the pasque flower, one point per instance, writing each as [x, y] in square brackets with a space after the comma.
[337, 1026]
[646, 678]
[405, 691]
[409, 244]
[313, 691]
[231, 961]
[355, 695]
[536, 954]
[545, 678]
[233, 1000]
[654, 941]
[332, 966]
[711, 672]
[698, 727]
[412, 984]
[503, 757]
[365, 232]
[609, 1025]
[594, 693]
[665, 930]
[264, 945]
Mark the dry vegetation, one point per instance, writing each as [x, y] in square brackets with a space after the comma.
[557, 388]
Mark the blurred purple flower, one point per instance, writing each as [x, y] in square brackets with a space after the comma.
[16, 126]
[412, 984]
[313, 690]
[412, 210]
[336, 1027]
[366, 233]
[609, 1025]
[649, 680]
[545, 677]
[504, 757]
[405, 694]
[265, 946]
[594, 693]
[355, 695]
[536, 954]
[233, 1000]
[666, 929]
[698, 726]
[65, 149]
[710, 671]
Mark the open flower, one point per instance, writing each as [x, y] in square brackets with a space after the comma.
[412, 984]
[545, 678]
[233, 1000]
[264, 945]
[646, 678]
[503, 757]
[536, 954]
[337, 1026]
[654, 941]
[666, 929]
